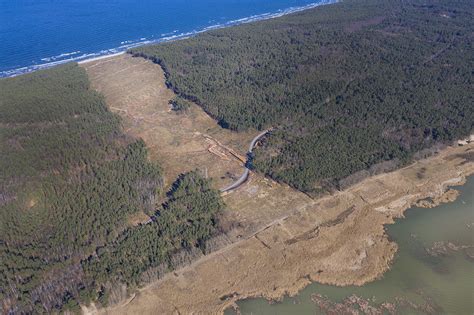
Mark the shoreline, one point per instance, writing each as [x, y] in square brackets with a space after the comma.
[115, 51]
[347, 249]
[438, 249]
[81, 62]
[450, 195]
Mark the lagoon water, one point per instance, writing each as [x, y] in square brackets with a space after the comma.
[444, 282]
[39, 33]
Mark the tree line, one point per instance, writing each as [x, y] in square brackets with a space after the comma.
[70, 180]
[347, 86]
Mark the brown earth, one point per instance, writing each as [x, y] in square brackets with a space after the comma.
[283, 239]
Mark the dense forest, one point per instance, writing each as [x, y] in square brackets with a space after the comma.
[174, 237]
[70, 184]
[356, 86]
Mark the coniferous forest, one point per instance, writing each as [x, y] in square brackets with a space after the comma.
[356, 86]
[70, 182]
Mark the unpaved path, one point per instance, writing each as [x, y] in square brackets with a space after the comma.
[245, 175]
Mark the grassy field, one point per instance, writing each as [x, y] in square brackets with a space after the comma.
[134, 88]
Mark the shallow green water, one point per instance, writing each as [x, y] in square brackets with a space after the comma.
[445, 283]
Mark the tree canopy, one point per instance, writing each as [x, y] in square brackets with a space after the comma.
[70, 182]
[348, 86]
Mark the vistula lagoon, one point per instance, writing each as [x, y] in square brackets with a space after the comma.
[35, 34]
[433, 272]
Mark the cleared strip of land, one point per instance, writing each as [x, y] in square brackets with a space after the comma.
[281, 239]
[134, 88]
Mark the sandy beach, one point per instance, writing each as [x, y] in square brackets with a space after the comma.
[101, 57]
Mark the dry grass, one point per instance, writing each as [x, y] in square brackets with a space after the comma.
[135, 89]
[137, 218]
[338, 239]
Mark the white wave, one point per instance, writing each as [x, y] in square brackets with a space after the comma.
[168, 34]
[48, 59]
[166, 37]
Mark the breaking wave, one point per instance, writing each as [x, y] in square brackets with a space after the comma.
[78, 56]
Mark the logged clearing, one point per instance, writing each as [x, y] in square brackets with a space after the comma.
[281, 238]
[135, 89]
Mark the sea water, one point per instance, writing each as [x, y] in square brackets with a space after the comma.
[422, 274]
[40, 33]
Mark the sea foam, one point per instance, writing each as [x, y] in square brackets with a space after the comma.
[76, 56]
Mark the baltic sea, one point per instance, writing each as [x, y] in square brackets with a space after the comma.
[40, 33]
